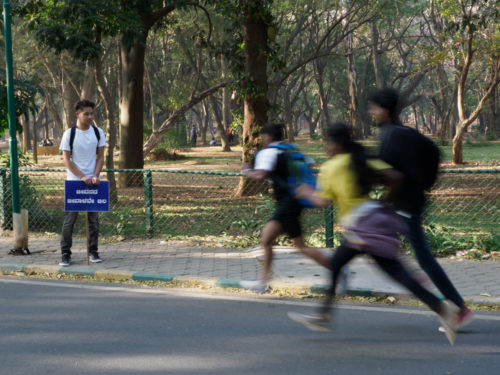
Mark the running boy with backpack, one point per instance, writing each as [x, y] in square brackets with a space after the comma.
[287, 168]
[417, 158]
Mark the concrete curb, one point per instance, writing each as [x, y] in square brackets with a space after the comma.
[209, 282]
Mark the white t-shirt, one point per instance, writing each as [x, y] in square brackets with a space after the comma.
[267, 158]
[84, 150]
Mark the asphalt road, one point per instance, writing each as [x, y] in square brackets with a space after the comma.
[59, 327]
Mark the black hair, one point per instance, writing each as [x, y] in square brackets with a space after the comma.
[81, 104]
[341, 133]
[387, 98]
[275, 130]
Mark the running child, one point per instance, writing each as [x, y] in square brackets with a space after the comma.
[371, 227]
[271, 163]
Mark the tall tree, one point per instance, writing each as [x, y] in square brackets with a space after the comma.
[471, 42]
[73, 26]
[256, 19]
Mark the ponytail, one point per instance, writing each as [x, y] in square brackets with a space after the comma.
[340, 133]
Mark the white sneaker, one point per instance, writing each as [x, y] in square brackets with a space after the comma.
[465, 316]
[313, 322]
[258, 286]
[449, 317]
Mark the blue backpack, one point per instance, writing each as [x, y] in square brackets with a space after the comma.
[299, 170]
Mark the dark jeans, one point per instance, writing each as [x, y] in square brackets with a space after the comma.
[428, 263]
[67, 231]
[392, 266]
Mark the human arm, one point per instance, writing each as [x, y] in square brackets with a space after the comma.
[256, 174]
[393, 179]
[98, 166]
[307, 192]
[265, 162]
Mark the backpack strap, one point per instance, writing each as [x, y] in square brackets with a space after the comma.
[97, 134]
[72, 137]
[283, 146]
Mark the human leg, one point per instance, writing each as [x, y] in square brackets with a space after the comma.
[67, 232]
[269, 233]
[94, 237]
[395, 269]
[320, 320]
[428, 263]
[448, 313]
[268, 236]
[67, 237]
[313, 253]
[341, 257]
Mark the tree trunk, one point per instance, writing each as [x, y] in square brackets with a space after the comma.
[70, 97]
[287, 115]
[256, 104]
[464, 122]
[379, 80]
[217, 116]
[88, 83]
[226, 107]
[35, 138]
[205, 124]
[55, 115]
[354, 118]
[457, 148]
[323, 100]
[492, 130]
[26, 138]
[132, 111]
[42, 114]
[110, 128]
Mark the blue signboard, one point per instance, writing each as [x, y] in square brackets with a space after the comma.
[80, 197]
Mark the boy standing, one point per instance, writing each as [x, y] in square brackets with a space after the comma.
[79, 156]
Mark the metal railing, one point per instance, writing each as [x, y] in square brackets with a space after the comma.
[210, 206]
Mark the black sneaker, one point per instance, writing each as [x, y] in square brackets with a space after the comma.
[94, 258]
[65, 260]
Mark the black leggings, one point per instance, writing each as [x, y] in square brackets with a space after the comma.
[393, 267]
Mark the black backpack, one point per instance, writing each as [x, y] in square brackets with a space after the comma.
[72, 137]
[430, 161]
[426, 155]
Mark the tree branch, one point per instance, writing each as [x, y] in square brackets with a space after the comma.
[177, 114]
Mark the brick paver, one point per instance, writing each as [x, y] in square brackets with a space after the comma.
[472, 278]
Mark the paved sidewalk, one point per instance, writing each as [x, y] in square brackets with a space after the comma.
[477, 281]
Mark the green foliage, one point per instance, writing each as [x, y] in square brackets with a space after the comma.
[77, 25]
[25, 92]
[39, 218]
[23, 160]
[445, 241]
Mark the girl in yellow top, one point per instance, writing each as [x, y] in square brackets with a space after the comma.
[370, 227]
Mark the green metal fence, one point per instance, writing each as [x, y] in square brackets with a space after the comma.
[208, 206]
